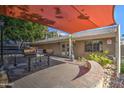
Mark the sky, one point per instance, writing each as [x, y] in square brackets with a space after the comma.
[118, 15]
[56, 30]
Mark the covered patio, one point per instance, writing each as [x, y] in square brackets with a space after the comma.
[70, 19]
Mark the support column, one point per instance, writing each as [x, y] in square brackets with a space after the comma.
[71, 54]
[70, 45]
[117, 51]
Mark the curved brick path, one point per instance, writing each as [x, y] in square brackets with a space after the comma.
[64, 75]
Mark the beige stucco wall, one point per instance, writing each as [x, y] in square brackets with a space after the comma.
[54, 46]
[109, 47]
[79, 47]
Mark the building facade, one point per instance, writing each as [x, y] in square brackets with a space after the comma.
[84, 42]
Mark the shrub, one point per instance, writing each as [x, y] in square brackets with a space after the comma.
[106, 52]
[82, 59]
[101, 58]
[122, 68]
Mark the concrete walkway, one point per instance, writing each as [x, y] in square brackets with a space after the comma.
[63, 76]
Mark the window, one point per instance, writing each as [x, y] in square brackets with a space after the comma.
[63, 47]
[67, 47]
[93, 46]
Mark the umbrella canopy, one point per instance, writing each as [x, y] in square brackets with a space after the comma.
[69, 18]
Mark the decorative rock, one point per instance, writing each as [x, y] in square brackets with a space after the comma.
[110, 79]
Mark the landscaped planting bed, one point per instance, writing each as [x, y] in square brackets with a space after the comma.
[110, 79]
[110, 69]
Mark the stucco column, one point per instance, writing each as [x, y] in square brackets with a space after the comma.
[71, 54]
[70, 44]
[117, 51]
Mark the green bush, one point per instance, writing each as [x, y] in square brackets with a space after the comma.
[99, 57]
[82, 59]
[105, 53]
[122, 68]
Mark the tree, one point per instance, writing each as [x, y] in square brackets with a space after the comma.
[20, 30]
[52, 34]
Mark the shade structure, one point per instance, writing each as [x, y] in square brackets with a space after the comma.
[69, 18]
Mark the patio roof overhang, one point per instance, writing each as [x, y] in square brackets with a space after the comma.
[71, 18]
[100, 33]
